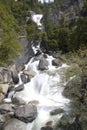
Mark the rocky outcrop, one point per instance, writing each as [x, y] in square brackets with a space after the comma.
[26, 113]
[43, 64]
[26, 54]
[66, 10]
[14, 72]
[14, 124]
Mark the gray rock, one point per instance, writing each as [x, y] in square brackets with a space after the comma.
[47, 128]
[18, 101]
[43, 64]
[4, 108]
[26, 54]
[15, 124]
[56, 62]
[15, 77]
[19, 88]
[26, 113]
[25, 78]
[56, 111]
[2, 119]
[4, 88]
[5, 75]
[29, 72]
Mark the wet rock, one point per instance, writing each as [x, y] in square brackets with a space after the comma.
[26, 113]
[56, 111]
[57, 62]
[25, 78]
[19, 88]
[14, 124]
[15, 77]
[18, 101]
[43, 64]
[29, 72]
[34, 102]
[47, 128]
[4, 108]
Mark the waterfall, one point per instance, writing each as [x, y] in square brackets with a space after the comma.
[46, 88]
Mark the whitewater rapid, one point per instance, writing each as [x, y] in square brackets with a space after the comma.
[46, 88]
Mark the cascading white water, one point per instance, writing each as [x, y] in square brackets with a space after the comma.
[46, 88]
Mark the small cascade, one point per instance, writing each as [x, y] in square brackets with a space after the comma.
[46, 88]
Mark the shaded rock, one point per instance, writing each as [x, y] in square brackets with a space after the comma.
[49, 123]
[43, 64]
[29, 72]
[25, 78]
[19, 88]
[47, 128]
[14, 124]
[4, 108]
[57, 62]
[56, 111]
[15, 77]
[5, 75]
[18, 100]
[26, 54]
[26, 113]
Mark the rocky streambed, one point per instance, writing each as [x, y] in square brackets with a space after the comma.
[19, 113]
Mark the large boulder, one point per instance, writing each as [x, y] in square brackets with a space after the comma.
[57, 62]
[15, 124]
[26, 113]
[43, 64]
[4, 108]
[29, 72]
[15, 77]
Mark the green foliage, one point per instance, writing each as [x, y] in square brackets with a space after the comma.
[9, 46]
[33, 33]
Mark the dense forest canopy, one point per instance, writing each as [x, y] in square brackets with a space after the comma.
[61, 31]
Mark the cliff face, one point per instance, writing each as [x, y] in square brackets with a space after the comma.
[65, 10]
